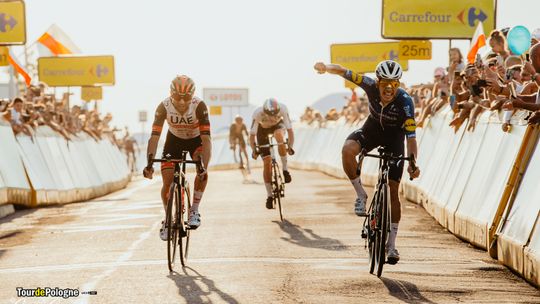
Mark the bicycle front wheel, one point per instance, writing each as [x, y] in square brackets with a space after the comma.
[170, 224]
[384, 227]
[183, 242]
[277, 189]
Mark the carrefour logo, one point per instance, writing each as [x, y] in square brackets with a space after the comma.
[7, 22]
[472, 16]
[99, 71]
[392, 55]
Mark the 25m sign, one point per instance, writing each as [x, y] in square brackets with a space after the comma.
[415, 49]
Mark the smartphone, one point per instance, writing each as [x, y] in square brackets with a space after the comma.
[478, 61]
[512, 90]
[499, 60]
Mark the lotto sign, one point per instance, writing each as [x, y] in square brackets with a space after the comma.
[226, 97]
[436, 19]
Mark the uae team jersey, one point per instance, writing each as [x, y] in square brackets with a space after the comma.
[193, 123]
[266, 121]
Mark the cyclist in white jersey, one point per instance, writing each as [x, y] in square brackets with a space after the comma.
[271, 118]
[189, 130]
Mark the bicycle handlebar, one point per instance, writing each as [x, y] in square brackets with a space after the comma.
[385, 156]
[198, 163]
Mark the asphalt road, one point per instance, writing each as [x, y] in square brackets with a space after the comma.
[242, 253]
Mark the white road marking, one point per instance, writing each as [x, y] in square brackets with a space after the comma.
[122, 261]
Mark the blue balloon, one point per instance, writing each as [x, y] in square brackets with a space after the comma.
[519, 39]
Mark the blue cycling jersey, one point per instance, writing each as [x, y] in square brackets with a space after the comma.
[397, 114]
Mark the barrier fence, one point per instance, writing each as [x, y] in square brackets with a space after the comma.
[47, 169]
[483, 186]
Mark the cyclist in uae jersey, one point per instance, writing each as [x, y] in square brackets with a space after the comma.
[271, 119]
[189, 130]
[390, 121]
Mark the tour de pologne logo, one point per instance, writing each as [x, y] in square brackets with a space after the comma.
[49, 292]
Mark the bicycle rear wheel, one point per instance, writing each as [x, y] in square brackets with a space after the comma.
[371, 227]
[183, 242]
[171, 224]
[277, 189]
[384, 224]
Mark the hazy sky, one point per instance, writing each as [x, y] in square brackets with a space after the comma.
[267, 46]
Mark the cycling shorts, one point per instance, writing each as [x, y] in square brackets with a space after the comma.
[174, 146]
[371, 135]
[262, 136]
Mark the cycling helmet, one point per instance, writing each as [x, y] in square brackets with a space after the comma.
[183, 85]
[271, 107]
[389, 69]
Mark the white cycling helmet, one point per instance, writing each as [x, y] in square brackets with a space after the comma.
[271, 107]
[389, 69]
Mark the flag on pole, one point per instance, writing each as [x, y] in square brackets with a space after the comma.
[478, 41]
[12, 59]
[57, 42]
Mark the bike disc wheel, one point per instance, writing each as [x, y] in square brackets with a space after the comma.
[170, 225]
[384, 224]
[183, 242]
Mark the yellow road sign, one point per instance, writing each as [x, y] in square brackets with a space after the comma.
[436, 19]
[91, 93]
[215, 110]
[76, 71]
[4, 55]
[415, 49]
[364, 57]
[12, 22]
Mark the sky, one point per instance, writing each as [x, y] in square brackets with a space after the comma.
[267, 46]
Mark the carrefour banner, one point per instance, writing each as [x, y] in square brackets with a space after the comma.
[12, 22]
[364, 57]
[436, 19]
[76, 71]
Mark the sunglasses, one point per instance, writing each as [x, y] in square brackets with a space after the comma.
[178, 97]
[387, 82]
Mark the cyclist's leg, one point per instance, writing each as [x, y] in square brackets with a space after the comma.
[280, 138]
[365, 138]
[397, 147]
[262, 139]
[195, 149]
[173, 147]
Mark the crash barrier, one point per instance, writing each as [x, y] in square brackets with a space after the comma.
[47, 169]
[482, 185]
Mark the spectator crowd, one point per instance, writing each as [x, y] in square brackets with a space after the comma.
[500, 81]
[37, 108]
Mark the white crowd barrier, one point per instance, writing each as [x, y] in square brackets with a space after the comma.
[464, 182]
[14, 186]
[47, 169]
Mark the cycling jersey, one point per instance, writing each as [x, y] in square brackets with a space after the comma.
[193, 123]
[267, 121]
[398, 114]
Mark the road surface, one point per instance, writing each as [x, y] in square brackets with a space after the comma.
[242, 253]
